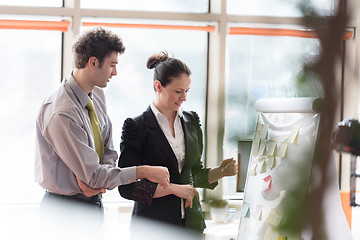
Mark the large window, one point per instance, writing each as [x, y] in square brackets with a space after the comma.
[260, 67]
[277, 8]
[32, 3]
[263, 67]
[198, 6]
[251, 67]
[28, 75]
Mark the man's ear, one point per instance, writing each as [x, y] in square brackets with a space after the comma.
[93, 62]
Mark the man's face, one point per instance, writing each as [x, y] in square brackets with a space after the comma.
[104, 74]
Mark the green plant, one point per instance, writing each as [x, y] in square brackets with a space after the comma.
[218, 203]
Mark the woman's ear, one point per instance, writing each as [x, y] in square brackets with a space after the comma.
[158, 86]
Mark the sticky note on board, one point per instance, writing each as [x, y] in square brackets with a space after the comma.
[259, 127]
[262, 147]
[293, 135]
[264, 131]
[275, 217]
[258, 212]
[266, 183]
[269, 162]
[255, 147]
[263, 167]
[266, 186]
[245, 210]
[277, 161]
[270, 148]
[282, 238]
[281, 149]
[243, 224]
[271, 234]
[260, 167]
[257, 134]
[260, 158]
[252, 168]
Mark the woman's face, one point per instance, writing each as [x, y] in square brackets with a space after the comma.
[174, 94]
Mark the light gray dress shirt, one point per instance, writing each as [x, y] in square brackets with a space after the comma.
[65, 145]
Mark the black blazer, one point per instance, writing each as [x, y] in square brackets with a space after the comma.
[144, 143]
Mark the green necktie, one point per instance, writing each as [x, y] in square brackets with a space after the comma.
[99, 144]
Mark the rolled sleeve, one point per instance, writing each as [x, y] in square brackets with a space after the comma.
[144, 191]
[128, 175]
[201, 179]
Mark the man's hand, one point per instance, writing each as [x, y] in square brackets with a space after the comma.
[88, 191]
[154, 174]
[229, 167]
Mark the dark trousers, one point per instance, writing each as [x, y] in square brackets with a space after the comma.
[72, 217]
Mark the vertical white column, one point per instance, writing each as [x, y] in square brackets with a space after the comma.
[71, 34]
[216, 100]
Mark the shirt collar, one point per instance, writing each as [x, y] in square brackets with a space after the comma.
[158, 113]
[78, 91]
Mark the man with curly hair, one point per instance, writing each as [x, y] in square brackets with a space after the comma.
[75, 159]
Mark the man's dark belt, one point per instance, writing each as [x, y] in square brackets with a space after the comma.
[81, 197]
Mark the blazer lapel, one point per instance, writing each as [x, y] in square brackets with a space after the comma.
[159, 137]
[189, 131]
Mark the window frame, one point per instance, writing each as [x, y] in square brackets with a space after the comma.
[216, 72]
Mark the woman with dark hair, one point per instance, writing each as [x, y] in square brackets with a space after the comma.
[165, 135]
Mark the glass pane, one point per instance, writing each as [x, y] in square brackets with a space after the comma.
[131, 91]
[277, 8]
[32, 3]
[189, 6]
[260, 67]
[28, 74]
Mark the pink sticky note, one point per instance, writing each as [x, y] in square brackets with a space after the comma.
[267, 183]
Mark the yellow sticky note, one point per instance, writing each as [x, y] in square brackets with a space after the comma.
[261, 158]
[255, 147]
[262, 147]
[271, 234]
[294, 133]
[281, 149]
[270, 148]
[275, 217]
[269, 162]
[263, 167]
[264, 131]
[252, 168]
[243, 223]
[260, 167]
[258, 212]
[257, 135]
[259, 126]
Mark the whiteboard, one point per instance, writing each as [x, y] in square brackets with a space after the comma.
[286, 129]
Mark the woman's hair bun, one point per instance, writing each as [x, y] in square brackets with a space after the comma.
[156, 59]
